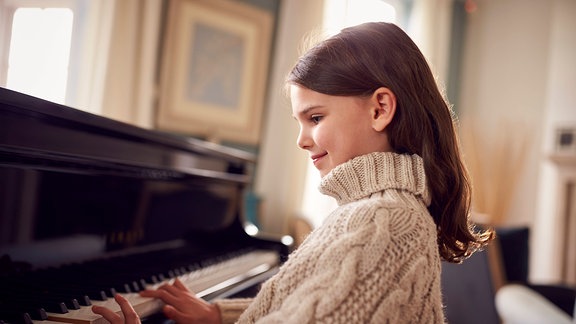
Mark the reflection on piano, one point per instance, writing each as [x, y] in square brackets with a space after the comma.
[90, 207]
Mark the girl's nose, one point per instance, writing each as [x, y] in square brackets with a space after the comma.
[303, 140]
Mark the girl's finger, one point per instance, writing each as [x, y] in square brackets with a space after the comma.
[169, 288]
[130, 315]
[160, 293]
[178, 284]
[109, 315]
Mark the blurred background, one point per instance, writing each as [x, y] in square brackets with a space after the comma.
[506, 66]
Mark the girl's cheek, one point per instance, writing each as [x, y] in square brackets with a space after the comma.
[319, 137]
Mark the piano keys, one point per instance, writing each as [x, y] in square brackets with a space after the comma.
[90, 207]
[218, 279]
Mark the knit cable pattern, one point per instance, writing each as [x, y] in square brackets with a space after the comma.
[374, 260]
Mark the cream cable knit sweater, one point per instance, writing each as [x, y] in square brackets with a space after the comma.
[374, 260]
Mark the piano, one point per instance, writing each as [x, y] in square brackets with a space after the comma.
[90, 207]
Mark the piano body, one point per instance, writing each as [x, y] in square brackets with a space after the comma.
[90, 207]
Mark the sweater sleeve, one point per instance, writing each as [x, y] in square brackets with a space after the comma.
[231, 309]
[384, 269]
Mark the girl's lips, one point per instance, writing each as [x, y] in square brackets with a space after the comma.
[317, 157]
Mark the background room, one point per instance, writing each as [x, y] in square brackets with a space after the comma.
[506, 67]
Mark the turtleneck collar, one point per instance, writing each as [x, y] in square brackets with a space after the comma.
[374, 172]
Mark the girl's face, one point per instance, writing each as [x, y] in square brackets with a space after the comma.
[335, 129]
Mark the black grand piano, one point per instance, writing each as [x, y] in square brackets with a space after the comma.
[90, 207]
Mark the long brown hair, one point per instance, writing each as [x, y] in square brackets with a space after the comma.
[361, 59]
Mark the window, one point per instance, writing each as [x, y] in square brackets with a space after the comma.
[39, 52]
[40, 44]
[344, 13]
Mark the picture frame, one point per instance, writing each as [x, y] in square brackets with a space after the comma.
[214, 70]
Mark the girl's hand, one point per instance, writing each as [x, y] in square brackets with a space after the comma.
[182, 305]
[130, 316]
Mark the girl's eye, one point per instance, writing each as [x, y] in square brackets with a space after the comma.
[316, 119]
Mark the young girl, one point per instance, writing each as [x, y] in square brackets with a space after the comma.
[383, 138]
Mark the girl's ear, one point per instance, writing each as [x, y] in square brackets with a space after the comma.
[384, 107]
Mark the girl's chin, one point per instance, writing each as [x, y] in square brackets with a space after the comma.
[324, 172]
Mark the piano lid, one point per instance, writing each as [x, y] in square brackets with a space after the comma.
[74, 185]
[42, 134]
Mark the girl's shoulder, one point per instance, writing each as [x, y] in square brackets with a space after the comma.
[371, 212]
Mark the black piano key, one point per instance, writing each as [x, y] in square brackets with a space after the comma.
[141, 284]
[95, 294]
[95, 289]
[153, 279]
[74, 293]
[37, 302]
[123, 288]
[100, 291]
[84, 300]
[111, 292]
[113, 281]
[136, 286]
[87, 294]
[193, 267]
[52, 306]
[18, 308]
[15, 317]
[71, 303]
[70, 299]
[55, 307]
[82, 293]
[40, 292]
[38, 314]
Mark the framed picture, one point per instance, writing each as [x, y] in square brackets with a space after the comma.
[214, 70]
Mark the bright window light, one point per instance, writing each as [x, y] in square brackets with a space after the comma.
[369, 10]
[39, 52]
[339, 14]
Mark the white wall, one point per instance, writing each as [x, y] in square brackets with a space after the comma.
[504, 78]
[129, 92]
[517, 65]
[560, 111]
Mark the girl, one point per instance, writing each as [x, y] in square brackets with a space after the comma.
[383, 138]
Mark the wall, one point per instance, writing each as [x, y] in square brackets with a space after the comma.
[504, 77]
[125, 89]
[516, 62]
[560, 111]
